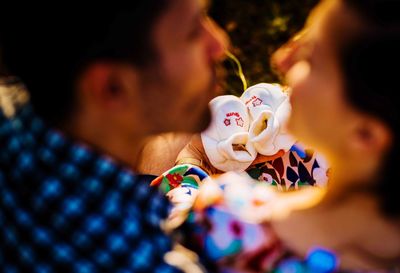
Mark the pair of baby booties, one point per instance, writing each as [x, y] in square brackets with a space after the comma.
[244, 127]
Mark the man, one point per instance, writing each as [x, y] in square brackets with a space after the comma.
[105, 79]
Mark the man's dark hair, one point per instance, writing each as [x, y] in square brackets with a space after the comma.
[370, 60]
[47, 48]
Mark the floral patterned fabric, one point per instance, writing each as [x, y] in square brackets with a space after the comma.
[296, 168]
[227, 223]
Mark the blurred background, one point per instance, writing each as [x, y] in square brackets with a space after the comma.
[257, 28]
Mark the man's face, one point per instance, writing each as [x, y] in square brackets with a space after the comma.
[178, 86]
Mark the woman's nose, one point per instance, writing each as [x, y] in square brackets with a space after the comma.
[287, 55]
[283, 59]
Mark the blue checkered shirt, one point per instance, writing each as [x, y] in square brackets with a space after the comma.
[66, 208]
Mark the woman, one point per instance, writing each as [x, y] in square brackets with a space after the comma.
[344, 105]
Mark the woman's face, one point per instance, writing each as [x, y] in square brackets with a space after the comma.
[321, 116]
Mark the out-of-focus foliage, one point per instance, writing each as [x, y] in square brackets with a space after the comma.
[257, 28]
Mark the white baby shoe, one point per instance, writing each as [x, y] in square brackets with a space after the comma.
[269, 109]
[226, 141]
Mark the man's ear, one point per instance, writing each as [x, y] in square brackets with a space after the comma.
[106, 85]
[370, 136]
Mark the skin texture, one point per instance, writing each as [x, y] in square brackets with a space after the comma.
[160, 152]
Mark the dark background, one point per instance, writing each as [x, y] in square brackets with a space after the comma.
[257, 28]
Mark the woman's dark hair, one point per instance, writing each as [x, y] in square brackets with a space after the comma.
[370, 61]
[48, 47]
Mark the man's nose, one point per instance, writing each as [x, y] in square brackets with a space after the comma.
[218, 40]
